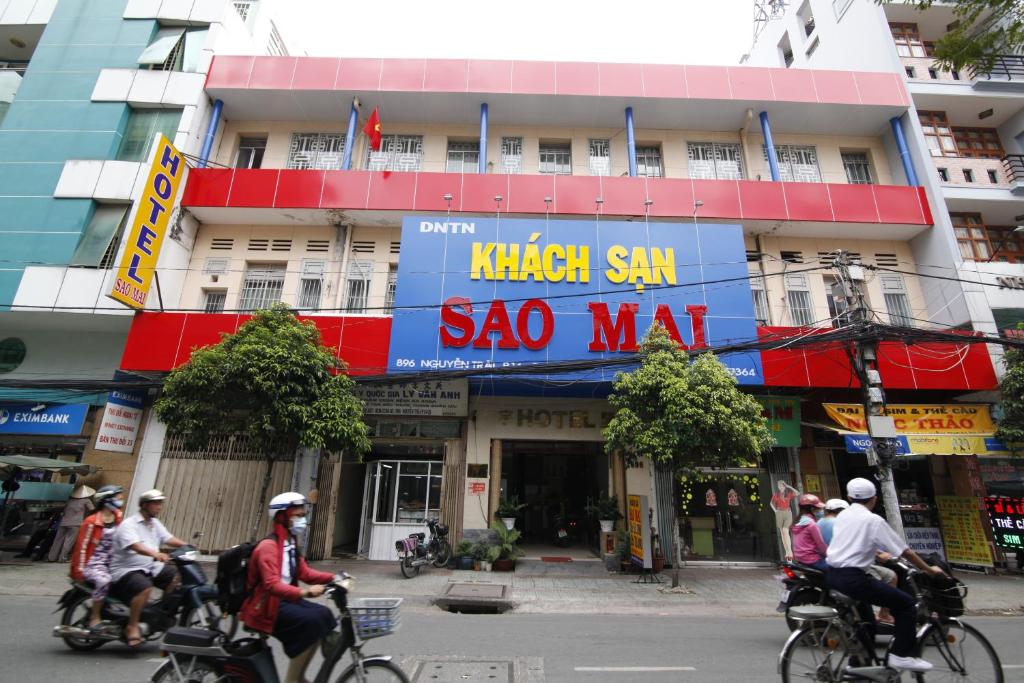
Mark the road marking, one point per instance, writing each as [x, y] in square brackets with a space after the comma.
[1013, 666]
[156, 659]
[634, 669]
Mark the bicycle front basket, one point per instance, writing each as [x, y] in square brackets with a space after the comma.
[375, 617]
[946, 598]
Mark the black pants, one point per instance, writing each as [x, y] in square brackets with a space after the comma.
[301, 624]
[867, 589]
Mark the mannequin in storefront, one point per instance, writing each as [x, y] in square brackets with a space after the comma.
[782, 504]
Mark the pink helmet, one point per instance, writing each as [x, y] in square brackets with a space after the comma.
[811, 500]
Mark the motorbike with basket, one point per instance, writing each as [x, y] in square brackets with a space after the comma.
[198, 655]
[193, 602]
[418, 550]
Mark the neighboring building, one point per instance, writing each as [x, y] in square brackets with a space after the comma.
[84, 87]
[574, 159]
[965, 135]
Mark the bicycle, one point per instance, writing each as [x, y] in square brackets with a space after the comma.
[210, 656]
[833, 644]
[415, 551]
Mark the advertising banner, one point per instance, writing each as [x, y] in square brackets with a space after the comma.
[783, 415]
[142, 250]
[925, 540]
[29, 418]
[965, 538]
[436, 398]
[1007, 518]
[489, 293]
[639, 532]
[119, 427]
[965, 418]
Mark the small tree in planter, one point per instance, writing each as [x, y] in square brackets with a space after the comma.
[464, 554]
[606, 511]
[480, 554]
[508, 509]
[506, 546]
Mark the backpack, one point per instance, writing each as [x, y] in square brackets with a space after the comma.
[233, 576]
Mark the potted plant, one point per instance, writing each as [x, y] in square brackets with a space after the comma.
[606, 510]
[507, 510]
[464, 553]
[493, 553]
[479, 555]
[506, 547]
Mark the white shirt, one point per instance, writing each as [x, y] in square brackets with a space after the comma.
[135, 529]
[857, 535]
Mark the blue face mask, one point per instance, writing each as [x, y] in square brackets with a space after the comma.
[819, 514]
[115, 503]
[299, 525]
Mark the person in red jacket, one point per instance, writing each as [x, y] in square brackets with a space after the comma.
[276, 604]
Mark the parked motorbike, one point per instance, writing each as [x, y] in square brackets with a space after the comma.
[195, 654]
[192, 603]
[416, 550]
[566, 528]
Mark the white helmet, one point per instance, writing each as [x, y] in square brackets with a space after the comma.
[836, 505]
[283, 501]
[151, 496]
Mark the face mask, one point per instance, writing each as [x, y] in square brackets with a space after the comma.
[116, 504]
[299, 525]
[819, 513]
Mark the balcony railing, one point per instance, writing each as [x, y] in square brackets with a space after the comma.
[1013, 164]
[1006, 67]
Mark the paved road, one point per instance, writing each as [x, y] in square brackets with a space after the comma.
[588, 648]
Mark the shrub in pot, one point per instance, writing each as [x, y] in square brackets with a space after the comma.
[479, 554]
[464, 553]
[493, 553]
[506, 547]
[508, 509]
[606, 511]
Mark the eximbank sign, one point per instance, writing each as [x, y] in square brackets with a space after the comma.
[485, 292]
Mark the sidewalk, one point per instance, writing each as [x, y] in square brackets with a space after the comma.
[710, 591]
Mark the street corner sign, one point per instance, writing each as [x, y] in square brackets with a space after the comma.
[486, 293]
[142, 250]
[28, 418]
[783, 415]
[119, 425]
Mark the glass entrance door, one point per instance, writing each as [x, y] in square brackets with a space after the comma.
[725, 518]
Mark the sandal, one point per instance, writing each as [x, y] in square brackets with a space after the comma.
[134, 643]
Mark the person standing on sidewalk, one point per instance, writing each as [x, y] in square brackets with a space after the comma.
[74, 514]
[858, 535]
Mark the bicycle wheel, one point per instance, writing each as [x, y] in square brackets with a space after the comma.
[409, 570]
[959, 653]
[199, 672]
[815, 652]
[374, 671]
[444, 553]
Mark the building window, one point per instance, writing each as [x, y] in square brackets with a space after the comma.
[463, 157]
[911, 73]
[512, 155]
[786, 51]
[798, 300]
[806, 17]
[968, 175]
[896, 301]
[858, 170]
[321, 151]
[213, 300]
[250, 152]
[908, 40]
[993, 177]
[244, 7]
[600, 157]
[262, 286]
[101, 239]
[715, 160]
[944, 175]
[797, 163]
[311, 285]
[938, 134]
[357, 285]
[142, 125]
[933, 74]
[275, 44]
[761, 310]
[389, 293]
[555, 158]
[397, 153]
[971, 236]
[12, 354]
[1006, 246]
[978, 143]
[648, 162]
[174, 49]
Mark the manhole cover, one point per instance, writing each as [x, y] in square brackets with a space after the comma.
[489, 671]
[489, 591]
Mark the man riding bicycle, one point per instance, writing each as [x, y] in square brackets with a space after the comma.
[137, 564]
[858, 535]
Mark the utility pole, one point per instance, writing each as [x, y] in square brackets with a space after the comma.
[881, 430]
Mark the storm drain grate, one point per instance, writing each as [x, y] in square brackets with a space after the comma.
[489, 591]
[468, 670]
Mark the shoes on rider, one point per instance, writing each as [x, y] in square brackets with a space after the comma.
[909, 663]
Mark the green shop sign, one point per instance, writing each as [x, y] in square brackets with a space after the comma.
[783, 415]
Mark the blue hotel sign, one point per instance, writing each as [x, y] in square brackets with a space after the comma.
[50, 419]
[485, 293]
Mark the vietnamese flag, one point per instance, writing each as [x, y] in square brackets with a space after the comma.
[372, 130]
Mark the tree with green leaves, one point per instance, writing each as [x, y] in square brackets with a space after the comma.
[983, 31]
[272, 381]
[1011, 424]
[681, 415]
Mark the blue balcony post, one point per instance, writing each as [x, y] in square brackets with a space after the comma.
[769, 145]
[630, 142]
[901, 145]
[211, 133]
[350, 136]
[482, 167]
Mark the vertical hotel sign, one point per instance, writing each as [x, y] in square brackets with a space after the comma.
[138, 263]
